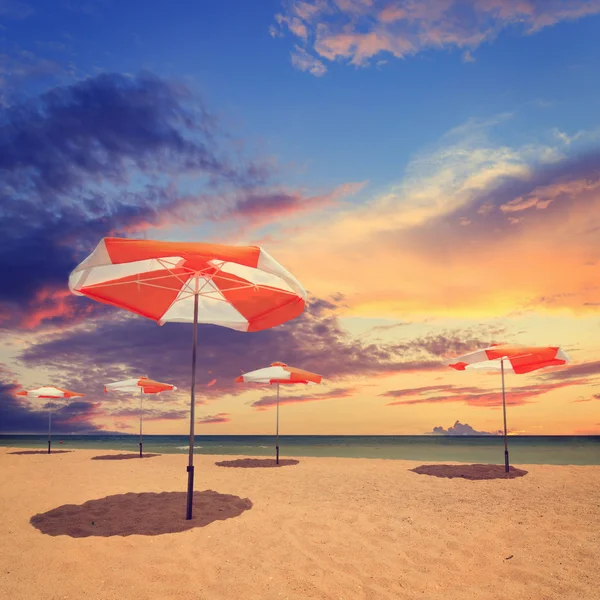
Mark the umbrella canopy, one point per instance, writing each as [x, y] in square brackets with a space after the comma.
[514, 359]
[279, 373]
[239, 287]
[143, 385]
[49, 392]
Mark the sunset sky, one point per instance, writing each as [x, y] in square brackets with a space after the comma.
[428, 169]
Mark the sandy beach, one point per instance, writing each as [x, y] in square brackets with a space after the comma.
[323, 528]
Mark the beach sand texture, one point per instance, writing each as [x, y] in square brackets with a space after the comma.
[324, 528]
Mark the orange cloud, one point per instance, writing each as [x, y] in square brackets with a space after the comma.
[473, 396]
[444, 244]
[267, 402]
[214, 419]
[358, 30]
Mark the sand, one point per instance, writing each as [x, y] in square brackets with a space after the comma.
[325, 528]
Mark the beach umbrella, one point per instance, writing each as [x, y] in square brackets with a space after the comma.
[279, 373]
[52, 393]
[514, 359]
[239, 287]
[144, 386]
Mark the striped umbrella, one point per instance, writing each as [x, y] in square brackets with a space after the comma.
[52, 393]
[239, 287]
[279, 373]
[514, 359]
[144, 386]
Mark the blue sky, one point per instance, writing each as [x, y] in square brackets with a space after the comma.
[360, 123]
[429, 170]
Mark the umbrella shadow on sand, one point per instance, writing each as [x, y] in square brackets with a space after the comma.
[472, 472]
[147, 513]
[122, 456]
[257, 463]
[41, 452]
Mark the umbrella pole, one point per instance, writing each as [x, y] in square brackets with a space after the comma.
[141, 413]
[49, 428]
[506, 463]
[190, 469]
[277, 429]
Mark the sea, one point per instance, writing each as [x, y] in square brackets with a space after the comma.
[552, 450]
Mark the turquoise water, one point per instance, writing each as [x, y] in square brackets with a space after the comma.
[554, 450]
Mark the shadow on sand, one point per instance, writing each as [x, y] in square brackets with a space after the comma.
[472, 472]
[256, 463]
[122, 456]
[148, 513]
[41, 452]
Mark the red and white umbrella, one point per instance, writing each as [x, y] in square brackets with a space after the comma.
[279, 373]
[239, 287]
[143, 385]
[51, 393]
[514, 359]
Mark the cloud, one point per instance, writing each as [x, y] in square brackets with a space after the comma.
[451, 343]
[449, 269]
[150, 414]
[474, 396]
[594, 397]
[270, 401]
[86, 160]
[574, 371]
[303, 61]
[356, 31]
[461, 429]
[262, 208]
[115, 348]
[214, 419]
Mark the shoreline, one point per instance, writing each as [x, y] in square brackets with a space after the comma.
[41, 451]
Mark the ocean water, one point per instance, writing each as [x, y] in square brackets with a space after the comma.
[554, 450]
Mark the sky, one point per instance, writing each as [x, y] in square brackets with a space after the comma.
[429, 170]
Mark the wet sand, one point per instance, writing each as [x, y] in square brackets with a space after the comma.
[72, 527]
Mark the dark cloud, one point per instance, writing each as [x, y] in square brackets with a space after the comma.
[270, 401]
[150, 414]
[127, 345]
[452, 343]
[82, 161]
[461, 429]
[429, 388]
[588, 369]
[213, 419]
[594, 397]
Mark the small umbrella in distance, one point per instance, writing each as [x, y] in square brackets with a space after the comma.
[51, 393]
[512, 358]
[144, 386]
[279, 373]
[239, 287]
